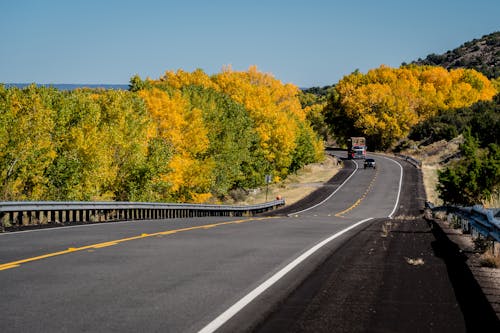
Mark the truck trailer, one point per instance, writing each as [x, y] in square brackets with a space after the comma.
[356, 147]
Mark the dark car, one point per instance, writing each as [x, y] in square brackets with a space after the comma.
[370, 163]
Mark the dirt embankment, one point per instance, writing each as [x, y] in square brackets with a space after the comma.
[434, 157]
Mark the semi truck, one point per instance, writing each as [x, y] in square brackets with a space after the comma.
[356, 147]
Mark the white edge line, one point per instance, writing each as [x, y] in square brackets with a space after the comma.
[331, 195]
[400, 185]
[238, 306]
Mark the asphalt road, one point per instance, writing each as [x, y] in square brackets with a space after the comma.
[181, 275]
[394, 275]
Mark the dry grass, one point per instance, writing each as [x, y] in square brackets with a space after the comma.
[488, 259]
[434, 157]
[406, 217]
[430, 178]
[296, 186]
[494, 202]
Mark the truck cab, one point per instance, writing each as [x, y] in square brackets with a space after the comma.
[358, 152]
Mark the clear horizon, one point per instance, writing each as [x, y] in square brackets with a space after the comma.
[308, 44]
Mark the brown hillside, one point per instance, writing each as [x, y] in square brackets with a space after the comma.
[481, 54]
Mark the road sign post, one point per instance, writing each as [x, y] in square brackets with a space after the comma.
[268, 180]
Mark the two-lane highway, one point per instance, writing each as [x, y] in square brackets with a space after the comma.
[180, 275]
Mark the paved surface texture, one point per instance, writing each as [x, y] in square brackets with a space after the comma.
[178, 275]
[167, 275]
[321, 193]
[399, 275]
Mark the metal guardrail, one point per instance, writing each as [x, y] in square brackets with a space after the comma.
[416, 163]
[18, 214]
[475, 220]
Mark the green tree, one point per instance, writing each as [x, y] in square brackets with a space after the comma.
[474, 178]
[26, 147]
[232, 136]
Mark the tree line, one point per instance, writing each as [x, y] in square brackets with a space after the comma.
[425, 104]
[185, 137]
[386, 103]
[193, 137]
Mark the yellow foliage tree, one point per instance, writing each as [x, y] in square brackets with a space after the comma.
[273, 106]
[181, 78]
[385, 103]
[26, 148]
[190, 174]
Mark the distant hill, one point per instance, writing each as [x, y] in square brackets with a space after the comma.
[481, 54]
[71, 86]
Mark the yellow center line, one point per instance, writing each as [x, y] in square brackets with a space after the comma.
[98, 246]
[4, 267]
[17, 263]
[356, 204]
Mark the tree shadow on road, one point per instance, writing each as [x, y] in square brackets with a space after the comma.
[478, 314]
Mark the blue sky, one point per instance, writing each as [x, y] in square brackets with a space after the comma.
[307, 42]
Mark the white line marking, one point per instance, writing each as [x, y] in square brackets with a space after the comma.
[400, 185]
[238, 306]
[331, 195]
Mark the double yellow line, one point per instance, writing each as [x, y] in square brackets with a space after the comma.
[356, 204]
[17, 263]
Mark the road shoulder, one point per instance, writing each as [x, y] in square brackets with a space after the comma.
[488, 278]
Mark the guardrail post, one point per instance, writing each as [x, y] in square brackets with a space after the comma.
[15, 214]
[11, 218]
[18, 220]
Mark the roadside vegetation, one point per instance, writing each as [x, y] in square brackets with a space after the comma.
[384, 104]
[185, 137]
[191, 137]
[442, 110]
[470, 174]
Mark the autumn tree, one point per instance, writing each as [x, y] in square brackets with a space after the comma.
[275, 110]
[182, 128]
[26, 148]
[386, 103]
[184, 137]
[232, 138]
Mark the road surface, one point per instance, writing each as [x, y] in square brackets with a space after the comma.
[187, 275]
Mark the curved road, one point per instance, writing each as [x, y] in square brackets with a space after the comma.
[182, 275]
